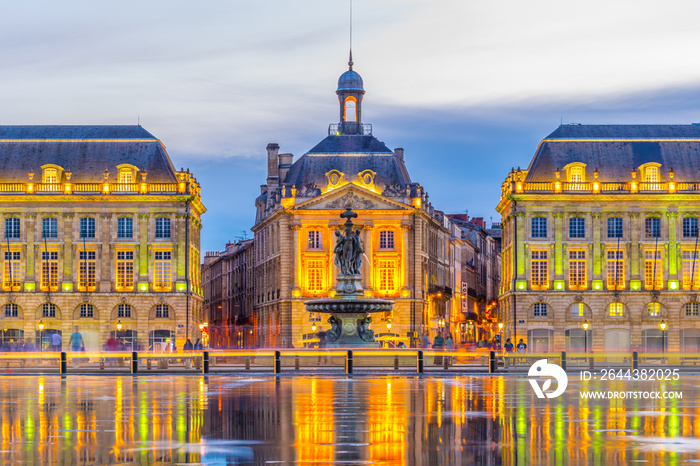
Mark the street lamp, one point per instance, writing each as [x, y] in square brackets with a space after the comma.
[41, 335]
[585, 336]
[313, 327]
[662, 326]
[119, 326]
[388, 325]
[500, 335]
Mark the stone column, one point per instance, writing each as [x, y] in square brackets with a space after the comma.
[596, 229]
[68, 247]
[672, 251]
[143, 247]
[558, 248]
[29, 254]
[105, 251]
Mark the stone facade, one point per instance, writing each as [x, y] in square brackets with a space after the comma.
[411, 251]
[601, 231]
[229, 295]
[135, 229]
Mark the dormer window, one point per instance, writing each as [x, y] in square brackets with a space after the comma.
[127, 174]
[651, 174]
[125, 177]
[50, 176]
[576, 175]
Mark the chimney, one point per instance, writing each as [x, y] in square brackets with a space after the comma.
[399, 152]
[273, 164]
[285, 163]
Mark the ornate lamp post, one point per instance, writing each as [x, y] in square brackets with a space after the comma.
[585, 336]
[662, 326]
[41, 335]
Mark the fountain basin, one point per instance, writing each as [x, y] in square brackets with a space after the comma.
[350, 320]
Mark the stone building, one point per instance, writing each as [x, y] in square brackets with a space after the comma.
[228, 295]
[99, 229]
[410, 249]
[602, 230]
[481, 268]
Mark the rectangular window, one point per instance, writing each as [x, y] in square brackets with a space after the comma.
[162, 227]
[12, 268]
[652, 227]
[315, 239]
[86, 270]
[87, 227]
[86, 310]
[691, 270]
[576, 174]
[49, 271]
[49, 227]
[577, 228]
[614, 227]
[653, 275]
[125, 177]
[616, 309]
[539, 227]
[162, 311]
[692, 309]
[386, 239]
[539, 270]
[163, 271]
[12, 228]
[314, 276]
[540, 310]
[48, 310]
[387, 276]
[690, 227]
[577, 270]
[124, 310]
[125, 270]
[125, 227]
[11, 310]
[616, 270]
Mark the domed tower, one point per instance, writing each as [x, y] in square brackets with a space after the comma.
[350, 92]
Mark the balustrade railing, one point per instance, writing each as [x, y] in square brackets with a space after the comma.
[89, 188]
[578, 186]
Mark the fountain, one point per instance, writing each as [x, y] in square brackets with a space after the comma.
[349, 309]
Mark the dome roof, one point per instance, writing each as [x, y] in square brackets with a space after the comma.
[350, 81]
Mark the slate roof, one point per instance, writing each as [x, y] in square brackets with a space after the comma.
[85, 150]
[340, 153]
[616, 150]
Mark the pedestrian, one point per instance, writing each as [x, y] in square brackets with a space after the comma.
[56, 342]
[188, 345]
[438, 344]
[449, 346]
[522, 346]
[198, 345]
[508, 346]
[76, 344]
[426, 341]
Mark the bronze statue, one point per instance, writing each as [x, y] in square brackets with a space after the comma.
[348, 247]
[334, 333]
[363, 330]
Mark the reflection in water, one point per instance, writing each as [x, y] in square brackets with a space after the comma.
[341, 420]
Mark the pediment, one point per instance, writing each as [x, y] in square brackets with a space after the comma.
[357, 197]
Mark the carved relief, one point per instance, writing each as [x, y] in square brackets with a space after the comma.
[350, 199]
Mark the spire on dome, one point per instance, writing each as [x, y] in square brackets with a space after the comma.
[350, 61]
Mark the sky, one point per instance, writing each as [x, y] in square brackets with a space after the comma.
[467, 88]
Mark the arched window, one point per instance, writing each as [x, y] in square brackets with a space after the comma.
[692, 309]
[162, 311]
[126, 176]
[48, 310]
[87, 310]
[350, 109]
[11, 310]
[578, 310]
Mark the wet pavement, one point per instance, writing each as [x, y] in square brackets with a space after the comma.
[325, 420]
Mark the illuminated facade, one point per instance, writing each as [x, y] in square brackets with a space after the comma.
[602, 231]
[99, 228]
[410, 249]
[228, 295]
